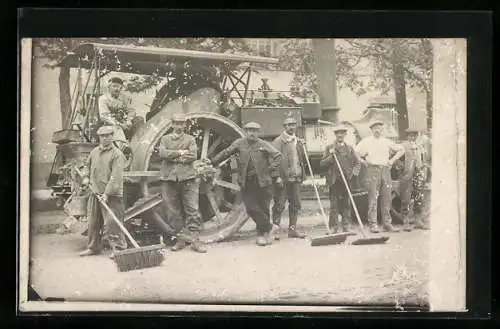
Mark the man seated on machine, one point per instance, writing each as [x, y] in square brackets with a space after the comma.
[115, 109]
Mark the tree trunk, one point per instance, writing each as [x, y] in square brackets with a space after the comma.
[428, 106]
[429, 103]
[64, 96]
[399, 88]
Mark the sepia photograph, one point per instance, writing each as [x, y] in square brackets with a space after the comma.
[216, 173]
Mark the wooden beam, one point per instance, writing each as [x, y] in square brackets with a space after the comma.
[141, 174]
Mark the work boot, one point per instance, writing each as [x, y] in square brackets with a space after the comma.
[390, 228]
[88, 252]
[374, 228]
[275, 232]
[261, 240]
[293, 233]
[198, 246]
[179, 245]
[269, 238]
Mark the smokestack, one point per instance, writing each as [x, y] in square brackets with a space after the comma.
[326, 72]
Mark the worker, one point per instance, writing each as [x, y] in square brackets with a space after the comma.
[375, 153]
[258, 170]
[412, 163]
[292, 172]
[115, 109]
[103, 171]
[181, 184]
[421, 177]
[351, 166]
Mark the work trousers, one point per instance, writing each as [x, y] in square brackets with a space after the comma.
[181, 201]
[378, 182]
[257, 202]
[405, 193]
[339, 204]
[102, 228]
[291, 193]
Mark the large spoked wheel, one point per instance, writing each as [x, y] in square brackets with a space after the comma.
[220, 204]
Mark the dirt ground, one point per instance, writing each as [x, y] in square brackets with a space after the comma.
[289, 271]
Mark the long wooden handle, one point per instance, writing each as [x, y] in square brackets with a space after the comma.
[325, 218]
[115, 219]
[350, 194]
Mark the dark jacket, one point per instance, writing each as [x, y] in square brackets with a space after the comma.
[284, 145]
[265, 157]
[412, 159]
[347, 158]
[104, 168]
[176, 167]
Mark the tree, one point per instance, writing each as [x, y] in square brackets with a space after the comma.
[54, 49]
[390, 63]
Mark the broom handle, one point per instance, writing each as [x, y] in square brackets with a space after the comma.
[316, 190]
[117, 221]
[350, 194]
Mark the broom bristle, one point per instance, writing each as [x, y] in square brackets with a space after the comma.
[329, 239]
[365, 241]
[138, 258]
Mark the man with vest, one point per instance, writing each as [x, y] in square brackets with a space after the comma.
[258, 169]
[292, 172]
[351, 165]
[181, 184]
[375, 153]
[412, 163]
[104, 172]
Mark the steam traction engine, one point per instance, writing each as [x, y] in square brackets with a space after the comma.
[211, 89]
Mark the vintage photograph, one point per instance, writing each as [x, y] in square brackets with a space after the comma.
[244, 171]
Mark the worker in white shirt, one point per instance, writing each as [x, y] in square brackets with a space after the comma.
[375, 153]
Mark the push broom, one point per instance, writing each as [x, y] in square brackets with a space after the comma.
[330, 238]
[137, 257]
[365, 239]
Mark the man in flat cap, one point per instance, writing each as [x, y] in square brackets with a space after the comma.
[412, 163]
[375, 153]
[292, 172]
[104, 172]
[115, 109]
[339, 197]
[258, 169]
[181, 184]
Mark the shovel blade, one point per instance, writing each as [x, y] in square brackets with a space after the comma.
[330, 239]
[374, 240]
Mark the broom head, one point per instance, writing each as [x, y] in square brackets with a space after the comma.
[374, 240]
[329, 239]
[138, 258]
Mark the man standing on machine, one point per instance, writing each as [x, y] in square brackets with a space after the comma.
[375, 153]
[258, 169]
[104, 172]
[181, 184]
[292, 173]
[351, 165]
[115, 109]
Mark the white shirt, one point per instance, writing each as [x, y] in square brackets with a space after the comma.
[377, 151]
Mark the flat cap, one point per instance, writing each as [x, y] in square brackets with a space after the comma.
[412, 130]
[289, 121]
[375, 122]
[105, 130]
[252, 125]
[339, 128]
[116, 80]
[178, 117]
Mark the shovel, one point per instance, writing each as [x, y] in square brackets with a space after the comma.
[365, 239]
[330, 238]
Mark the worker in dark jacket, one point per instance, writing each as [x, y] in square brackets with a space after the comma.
[351, 165]
[104, 172]
[180, 184]
[292, 172]
[258, 170]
